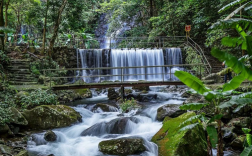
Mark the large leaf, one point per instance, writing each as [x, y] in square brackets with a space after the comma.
[216, 117]
[231, 5]
[247, 151]
[188, 127]
[231, 23]
[231, 61]
[249, 45]
[191, 81]
[231, 41]
[193, 106]
[244, 95]
[192, 119]
[234, 83]
[213, 135]
[236, 102]
[236, 10]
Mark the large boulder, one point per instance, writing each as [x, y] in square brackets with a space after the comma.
[112, 94]
[50, 136]
[17, 117]
[51, 116]
[170, 110]
[4, 130]
[84, 93]
[116, 126]
[172, 142]
[123, 146]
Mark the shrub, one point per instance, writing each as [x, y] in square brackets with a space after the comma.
[128, 105]
[38, 97]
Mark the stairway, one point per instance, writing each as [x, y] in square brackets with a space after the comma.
[20, 74]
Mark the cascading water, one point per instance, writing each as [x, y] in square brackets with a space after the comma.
[118, 58]
[173, 56]
[82, 139]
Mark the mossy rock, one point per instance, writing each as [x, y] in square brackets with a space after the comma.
[123, 146]
[22, 153]
[84, 93]
[112, 94]
[17, 117]
[172, 142]
[51, 116]
[142, 88]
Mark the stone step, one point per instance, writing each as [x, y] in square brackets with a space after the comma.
[23, 80]
[28, 76]
[20, 61]
[19, 67]
[24, 70]
[22, 83]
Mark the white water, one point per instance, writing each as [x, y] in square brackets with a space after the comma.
[71, 143]
[118, 58]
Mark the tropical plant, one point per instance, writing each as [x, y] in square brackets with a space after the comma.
[248, 143]
[215, 98]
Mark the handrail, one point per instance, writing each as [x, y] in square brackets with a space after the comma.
[200, 51]
[102, 68]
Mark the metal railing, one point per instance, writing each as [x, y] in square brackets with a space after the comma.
[167, 74]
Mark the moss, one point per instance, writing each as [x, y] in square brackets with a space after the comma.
[172, 142]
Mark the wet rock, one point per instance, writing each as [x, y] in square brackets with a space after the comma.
[23, 153]
[146, 97]
[141, 88]
[51, 116]
[17, 117]
[228, 135]
[170, 110]
[123, 146]
[194, 98]
[84, 93]
[237, 143]
[103, 108]
[239, 123]
[50, 136]
[112, 94]
[116, 126]
[5, 149]
[185, 94]
[172, 142]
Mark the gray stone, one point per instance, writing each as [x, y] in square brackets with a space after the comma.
[50, 136]
[170, 110]
[123, 146]
[17, 117]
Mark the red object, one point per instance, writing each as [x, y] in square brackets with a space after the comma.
[188, 28]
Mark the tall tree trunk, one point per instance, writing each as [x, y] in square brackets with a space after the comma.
[44, 32]
[151, 8]
[56, 27]
[220, 142]
[1, 25]
[6, 19]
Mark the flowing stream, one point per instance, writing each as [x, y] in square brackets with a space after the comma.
[71, 141]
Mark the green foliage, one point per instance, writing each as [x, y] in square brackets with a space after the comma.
[212, 133]
[193, 106]
[192, 57]
[38, 97]
[247, 151]
[128, 105]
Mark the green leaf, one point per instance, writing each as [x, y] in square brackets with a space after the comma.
[246, 130]
[188, 127]
[249, 45]
[226, 7]
[193, 106]
[230, 41]
[212, 133]
[191, 81]
[190, 120]
[231, 61]
[234, 83]
[231, 23]
[232, 102]
[216, 117]
[247, 151]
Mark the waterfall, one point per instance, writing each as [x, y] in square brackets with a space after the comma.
[120, 58]
[173, 57]
[135, 58]
[91, 59]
